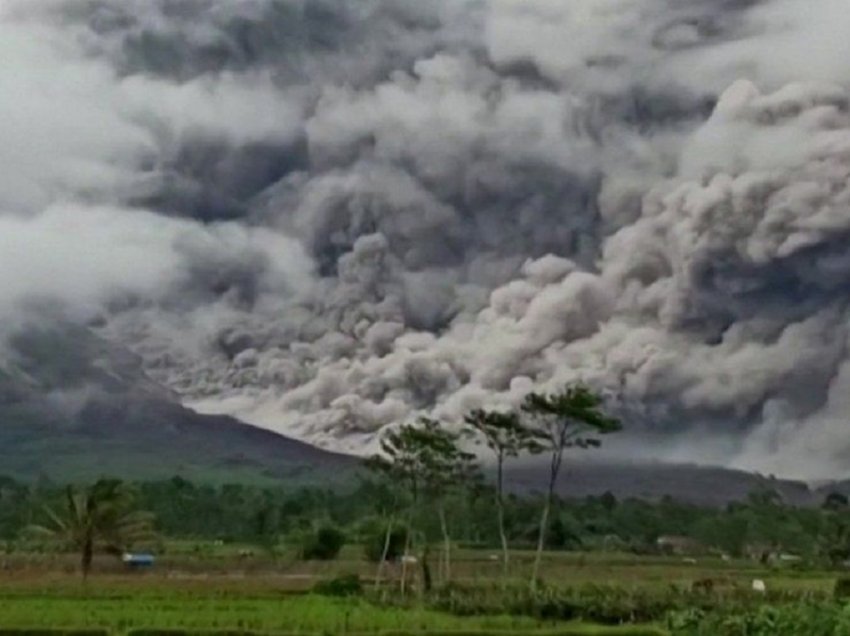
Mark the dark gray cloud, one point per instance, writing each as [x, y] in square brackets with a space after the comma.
[325, 216]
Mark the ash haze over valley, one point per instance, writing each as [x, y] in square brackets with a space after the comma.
[326, 217]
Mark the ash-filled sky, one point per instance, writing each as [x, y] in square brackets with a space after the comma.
[326, 216]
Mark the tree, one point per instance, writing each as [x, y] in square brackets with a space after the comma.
[323, 544]
[506, 437]
[386, 544]
[98, 518]
[571, 418]
[835, 535]
[267, 527]
[835, 501]
[461, 476]
[385, 494]
[427, 459]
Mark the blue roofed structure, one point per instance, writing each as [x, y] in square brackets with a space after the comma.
[138, 560]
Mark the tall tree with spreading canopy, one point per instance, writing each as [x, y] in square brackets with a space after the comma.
[571, 418]
[98, 518]
[427, 459]
[506, 437]
[387, 496]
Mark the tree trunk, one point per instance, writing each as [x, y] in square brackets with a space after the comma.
[408, 542]
[87, 556]
[504, 539]
[500, 511]
[384, 552]
[541, 538]
[554, 467]
[427, 582]
[447, 545]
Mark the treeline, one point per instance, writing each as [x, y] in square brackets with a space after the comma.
[277, 516]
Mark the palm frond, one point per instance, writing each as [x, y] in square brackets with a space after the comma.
[37, 532]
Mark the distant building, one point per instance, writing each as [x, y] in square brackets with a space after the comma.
[761, 552]
[137, 560]
[679, 545]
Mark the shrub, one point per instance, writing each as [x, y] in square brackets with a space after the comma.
[346, 585]
[841, 590]
[323, 545]
[613, 605]
[194, 632]
[52, 632]
[374, 547]
[794, 619]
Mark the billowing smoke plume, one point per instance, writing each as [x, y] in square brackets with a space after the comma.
[326, 217]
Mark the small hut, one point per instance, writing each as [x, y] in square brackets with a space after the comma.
[679, 545]
[137, 560]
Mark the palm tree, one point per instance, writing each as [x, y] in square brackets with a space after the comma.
[98, 518]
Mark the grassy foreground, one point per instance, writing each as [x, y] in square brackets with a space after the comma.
[291, 615]
[221, 593]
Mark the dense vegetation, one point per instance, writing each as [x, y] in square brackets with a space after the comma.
[713, 598]
[260, 606]
[270, 517]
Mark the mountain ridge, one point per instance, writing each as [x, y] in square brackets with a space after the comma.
[75, 406]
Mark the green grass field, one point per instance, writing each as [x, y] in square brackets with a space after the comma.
[185, 563]
[172, 609]
[215, 589]
[304, 614]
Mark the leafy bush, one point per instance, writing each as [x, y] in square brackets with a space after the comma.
[794, 619]
[197, 632]
[842, 588]
[323, 545]
[53, 632]
[346, 585]
[592, 603]
[611, 605]
[374, 547]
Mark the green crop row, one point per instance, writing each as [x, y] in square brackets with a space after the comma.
[54, 632]
[796, 619]
[575, 630]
